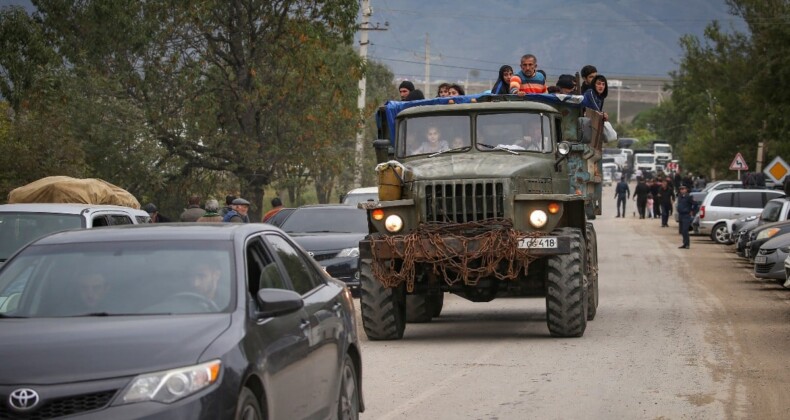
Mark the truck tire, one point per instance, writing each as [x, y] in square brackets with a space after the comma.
[418, 309]
[383, 308]
[592, 272]
[566, 296]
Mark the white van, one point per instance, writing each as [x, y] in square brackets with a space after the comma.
[361, 195]
[720, 205]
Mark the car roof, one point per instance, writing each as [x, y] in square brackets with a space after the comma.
[158, 232]
[65, 208]
[364, 190]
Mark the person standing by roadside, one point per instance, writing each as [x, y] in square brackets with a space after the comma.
[277, 205]
[667, 194]
[640, 195]
[156, 217]
[212, 213]
[239, 213]
[228, 205]
[686, 210]
[193, 210]
[622, 193]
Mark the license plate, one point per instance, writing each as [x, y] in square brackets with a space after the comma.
[760, 259]
[545, 242]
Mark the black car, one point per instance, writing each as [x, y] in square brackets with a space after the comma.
[280, 216]
[198, 321]
[330, 233]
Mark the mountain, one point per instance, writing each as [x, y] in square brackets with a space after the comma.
[469, 40]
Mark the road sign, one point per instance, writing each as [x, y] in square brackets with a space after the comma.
[739, 163]
[777, 169]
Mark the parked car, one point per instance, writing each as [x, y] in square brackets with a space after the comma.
[761, 234]
[331, 233]
[720, 205]
[776, 210]
[280, 216]
[361, 195]
[22, 223]
[198, 321]
[736, 226]
[769, 259]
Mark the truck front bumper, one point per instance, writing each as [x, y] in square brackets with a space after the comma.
[424, 249]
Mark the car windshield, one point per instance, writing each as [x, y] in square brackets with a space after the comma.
[326, 219]
[20, 228]
[118, 278]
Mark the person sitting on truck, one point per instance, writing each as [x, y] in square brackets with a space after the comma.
[455, 90]
[405, 89]
[588, 74]
[443, 90]
[528, 79]
[594, 98]
[502, 85]
[433, 142]
[566, 84]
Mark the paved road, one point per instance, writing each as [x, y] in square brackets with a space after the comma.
[679, 334]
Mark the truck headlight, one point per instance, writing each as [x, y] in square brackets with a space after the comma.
[393, 223]
[538, 218]
[171, 385]
[564, 148]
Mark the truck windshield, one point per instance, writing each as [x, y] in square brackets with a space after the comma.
[645, 159]
[663, 149]
[515, 131]
[432, 134]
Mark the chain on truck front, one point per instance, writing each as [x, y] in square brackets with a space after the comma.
[459, 252]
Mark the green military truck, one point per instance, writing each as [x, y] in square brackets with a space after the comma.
[483, 196]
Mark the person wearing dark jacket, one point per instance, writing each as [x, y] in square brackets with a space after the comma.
[588, 74]
[667, 194]
[655, 189]
[622, 193]
[686, 209]
[502, 85]
[640, 195]
[595, 96]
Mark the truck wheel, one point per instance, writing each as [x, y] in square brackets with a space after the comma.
[383, 308]
[418, 308]
[592, 272]
[437, 302]
[719, 233]
[566, 296]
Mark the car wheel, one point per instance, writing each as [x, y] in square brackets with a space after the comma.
[719, 233]
[248, 407]
[348, 400]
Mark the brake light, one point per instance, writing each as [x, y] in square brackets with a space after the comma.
[702, 212]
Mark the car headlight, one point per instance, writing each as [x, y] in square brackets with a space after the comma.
[767, 233]
[538, 218]
[785, 249]
[393, 223]
[348, 252]
[171, 385]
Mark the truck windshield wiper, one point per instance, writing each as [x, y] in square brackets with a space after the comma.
[457, 149]
[498, 147]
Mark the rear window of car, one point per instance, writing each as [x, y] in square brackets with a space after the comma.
[750, 200]
[722, 200]
[19, 228]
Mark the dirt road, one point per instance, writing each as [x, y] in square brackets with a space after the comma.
[679, 334]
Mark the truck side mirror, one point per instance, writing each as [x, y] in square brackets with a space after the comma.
[585, 134]
[384, 150]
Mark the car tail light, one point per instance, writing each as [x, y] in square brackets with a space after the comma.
[702, 212]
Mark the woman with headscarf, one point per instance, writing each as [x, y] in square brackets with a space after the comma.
[502, 85]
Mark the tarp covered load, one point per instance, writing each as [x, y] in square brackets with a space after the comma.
[65, 189]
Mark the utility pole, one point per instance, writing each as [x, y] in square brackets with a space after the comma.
[427, 86]
[364, 27]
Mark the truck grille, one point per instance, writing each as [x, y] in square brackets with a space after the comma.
[464, 200]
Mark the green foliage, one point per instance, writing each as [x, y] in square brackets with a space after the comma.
[727, 95]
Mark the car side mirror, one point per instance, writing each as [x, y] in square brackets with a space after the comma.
[276, 302]
[584, 126]
[384, 150]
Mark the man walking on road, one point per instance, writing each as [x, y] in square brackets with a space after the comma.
[622, 193]
[640, 195]
[686, 209]
[667, 194]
